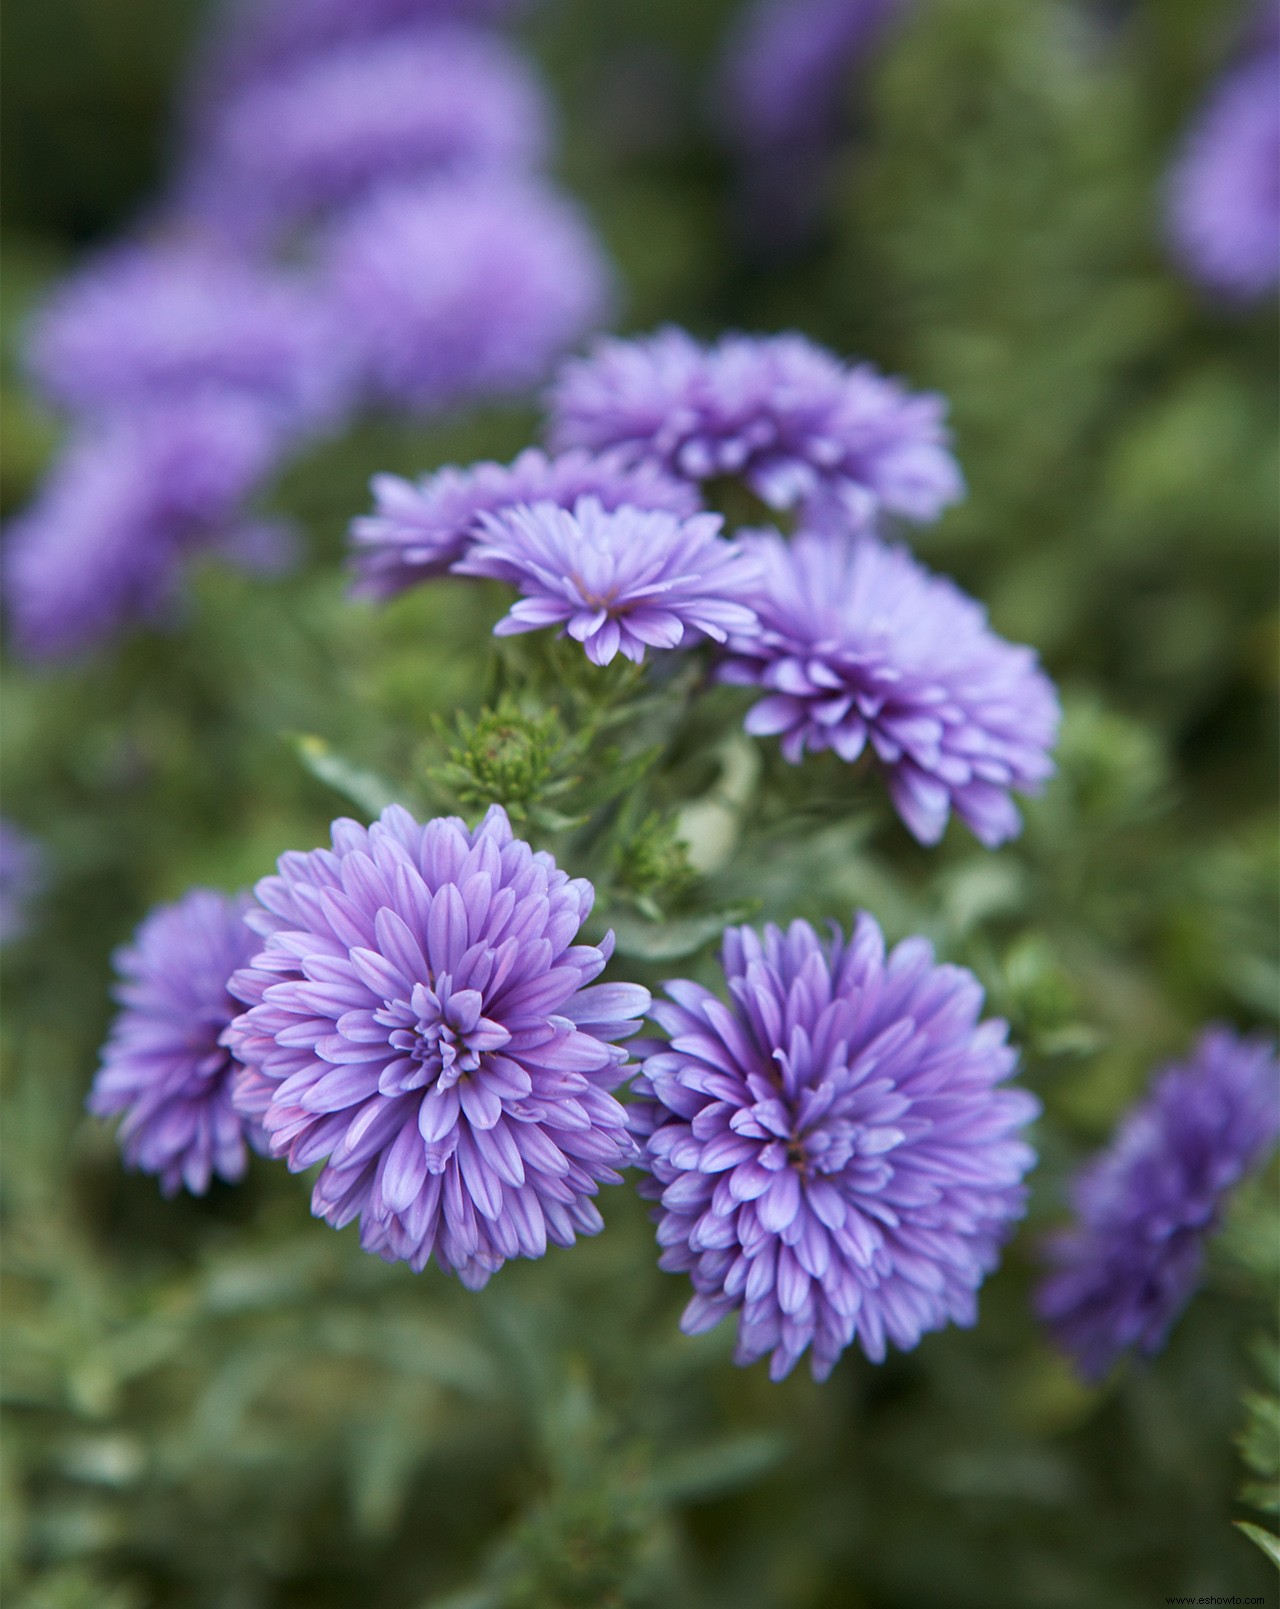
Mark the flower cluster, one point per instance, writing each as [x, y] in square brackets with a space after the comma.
[842, 445]
[421, 529]
[617, 582]
[859, 648]
[165, 1066]
[420, 1020]
[832, 1154]
[1129, 1264]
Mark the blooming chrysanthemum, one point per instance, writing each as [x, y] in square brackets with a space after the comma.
[419, 1020]
[463, 288]
[832, 1154]
[154, 322]
[21, 874]
[128, 500]
[798, 426]
[860, 648]
[322, 134]
[617, 582]
[422, 528]
[1129, 1264]
[1224, 193]
[164, 1065]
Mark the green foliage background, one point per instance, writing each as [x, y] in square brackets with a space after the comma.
[221, 1404]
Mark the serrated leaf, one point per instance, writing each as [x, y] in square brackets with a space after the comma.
[367, 790]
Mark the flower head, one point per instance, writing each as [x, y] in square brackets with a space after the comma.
[164, 1065]
[151, 323]
[832, 1154]
[1129, 1264]
[323, 133]
[419, 1020]
[619, 581]
[1224, 192]
[859, 648]
[421, 529]
[798, 426]
[130, 498]
[21, 876]
[464, 288]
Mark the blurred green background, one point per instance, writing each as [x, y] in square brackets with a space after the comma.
[220, 1403]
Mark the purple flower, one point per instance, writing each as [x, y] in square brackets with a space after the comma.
[1224, 192]
[1129, 1264]
[617, 582]
[832, 1154]
[419, 1021]
[786, 66]
[800, 427]
[21, 876]
[465, 288]
[325, 132]
[421, 529]
[860, 649]
[164, 1065]
[154, 322]
[130, 498]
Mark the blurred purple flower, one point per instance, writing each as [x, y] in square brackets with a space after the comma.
[130, 498]
[326, 132]
[1130, 1263]
[164, 1065]
[150, 322]
[831, 1153]
[617, 582]
[798, 426]
[422, 528]
[860, 648]
[462, 288]
[1224, 192]
[419, 1021]
[21, 877]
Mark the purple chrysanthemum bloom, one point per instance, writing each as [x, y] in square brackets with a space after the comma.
[21, 876]
[164, 1065]
[153, 322]
[832, 1154]
[130, 498]
[617, 582]
[419, 1021]
[325, 133]
[798, 426]
[457, 288]
[1130, 1263]
[860, 649]
[1224, 193]
[256, 39]
[784, 72]
[423, 527]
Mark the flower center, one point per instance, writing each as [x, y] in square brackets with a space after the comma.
[440, 1034]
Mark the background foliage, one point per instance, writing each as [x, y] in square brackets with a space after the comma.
[222, 1403]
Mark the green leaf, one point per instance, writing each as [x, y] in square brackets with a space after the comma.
[669, 941]
[367, 790]
[1269, 1544]
[718, 1467]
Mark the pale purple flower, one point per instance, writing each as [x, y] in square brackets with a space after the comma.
[802, 429]
[860, 649]
[21, 877]
[164, 1066]
[617, 582]
[832, 1153]
[423, 527]
[419, 1021]
[463, 288]
[1224, 192]
[128, 501]
[1145, 1206]
[786, 67]
[324, 133]
[150, 322]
